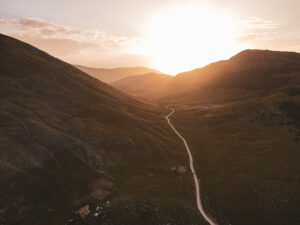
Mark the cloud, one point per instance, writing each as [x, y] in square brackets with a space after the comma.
[259, 29]
[35, 27]
[259, 23]
[74, 45]
[263, 33]
[274, 41]
[58, 47]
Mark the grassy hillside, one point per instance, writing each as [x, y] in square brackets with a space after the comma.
[115, 74]
[249, 74]
[247, 156]
[241, 119]
[67, 139]
[242, 124]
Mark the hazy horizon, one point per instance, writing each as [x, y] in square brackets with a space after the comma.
[152, 33]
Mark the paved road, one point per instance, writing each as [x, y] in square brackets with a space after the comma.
[196, 181]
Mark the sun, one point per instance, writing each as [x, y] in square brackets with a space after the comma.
[181, 37]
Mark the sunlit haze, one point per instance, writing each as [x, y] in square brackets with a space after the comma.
[171, 36]
[185, 36]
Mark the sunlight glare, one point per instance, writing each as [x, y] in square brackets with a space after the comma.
[182, 37]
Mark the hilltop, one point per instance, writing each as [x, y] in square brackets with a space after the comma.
[248, 74]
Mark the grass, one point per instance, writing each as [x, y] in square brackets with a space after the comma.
[247, 158]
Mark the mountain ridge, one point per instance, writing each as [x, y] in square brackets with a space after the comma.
[254, 69]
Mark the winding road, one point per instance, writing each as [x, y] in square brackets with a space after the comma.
[196, 181]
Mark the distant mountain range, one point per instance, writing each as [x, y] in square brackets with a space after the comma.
[148, 86]
[114, 74]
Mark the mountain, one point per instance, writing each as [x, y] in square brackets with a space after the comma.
[247, 74]
[247, 151]
[241, 120]
[112, 75]
[69, 141]
[151, 86]
[74, 150]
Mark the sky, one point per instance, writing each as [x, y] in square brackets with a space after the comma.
[169, 35]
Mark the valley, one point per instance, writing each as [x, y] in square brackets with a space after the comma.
[241, 120]
[195, 177]
[76, 150]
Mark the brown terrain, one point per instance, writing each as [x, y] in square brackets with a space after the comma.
[241, 118]
[75, 150]
[68, 141]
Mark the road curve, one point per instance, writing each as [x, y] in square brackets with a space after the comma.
[196, 181]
